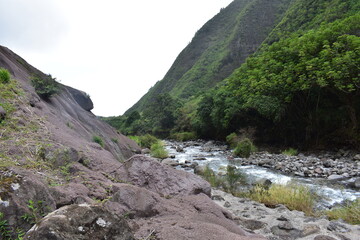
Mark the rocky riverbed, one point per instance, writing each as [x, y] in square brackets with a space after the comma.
[333, 175]
[280, 223]
[342, 167]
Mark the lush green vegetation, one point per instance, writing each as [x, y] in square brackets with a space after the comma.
[349, 213]
[4, 75]
[299, 89]
[45, 86]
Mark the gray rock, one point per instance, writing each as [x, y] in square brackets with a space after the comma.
[285, 233]
[335, 226]
[146, 172]
[309, 230]
[81, 98]
[217, 198]
[356, 157]
[357, 183]
[145, 151]
[179, 148]
[324, 237]
[80, 222]
[227, 204]
[2, 113]
[335, 177]
[250, 224]
[170, 162]
[282, 218]
[199, 169]
[286, 225]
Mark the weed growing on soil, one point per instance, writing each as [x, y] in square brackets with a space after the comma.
[350, 213]
[4, 76]
[99, 140]
[290, 152]
[158, 151]
[294, 197]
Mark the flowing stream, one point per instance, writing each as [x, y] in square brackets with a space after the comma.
[217, 159]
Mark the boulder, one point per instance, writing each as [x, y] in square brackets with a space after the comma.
[179, 148]
[81, 98]
[324, 237]
[80, 222]
[356, 157]
[2, 113]
[147, 172]
[145, 151]
[170, 162]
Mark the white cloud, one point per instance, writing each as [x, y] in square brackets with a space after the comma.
[114, 50]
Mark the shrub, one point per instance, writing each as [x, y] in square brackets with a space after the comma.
[244, 148]
[158, 150]
[147, 141]
[209, 175]
[99, 140]
[232, 139]
[290, 152]
[350, 213]
[183, 136]
[45, 86]
[294, 197]
[4, 75]
[233, 177]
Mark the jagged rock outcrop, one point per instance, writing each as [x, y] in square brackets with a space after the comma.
[81, 222]
[163, 179]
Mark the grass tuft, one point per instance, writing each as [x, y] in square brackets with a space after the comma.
[158, 150]
[294, 197]
[99, 140]
[350, 213]
[4, 76]
[290, 152]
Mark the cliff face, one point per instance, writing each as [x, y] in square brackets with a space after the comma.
[69, 175]
[218, 48]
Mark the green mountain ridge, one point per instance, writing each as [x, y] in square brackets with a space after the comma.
[218, 48]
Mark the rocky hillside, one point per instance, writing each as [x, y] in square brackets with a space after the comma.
[64, 174]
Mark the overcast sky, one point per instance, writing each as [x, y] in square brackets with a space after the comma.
[112, 49]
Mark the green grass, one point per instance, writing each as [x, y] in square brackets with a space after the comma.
[157, 150]
[350, 213]
[290, 152]
[294, 197]
[98, 140]
[4, 76]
